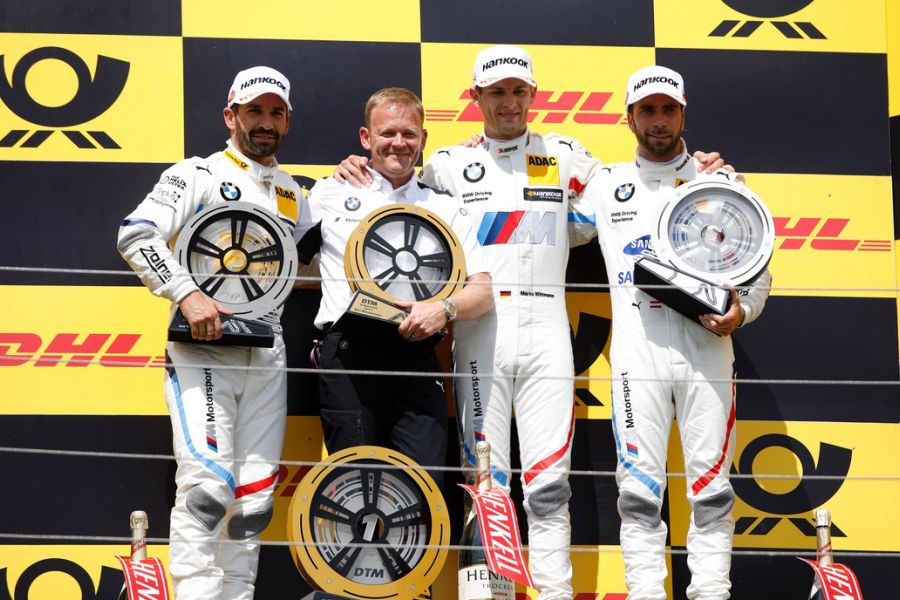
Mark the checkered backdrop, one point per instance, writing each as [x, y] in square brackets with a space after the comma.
[97, 97]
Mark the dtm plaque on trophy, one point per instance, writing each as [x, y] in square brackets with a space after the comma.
[397, 253]
[243, 257]
[712, 235]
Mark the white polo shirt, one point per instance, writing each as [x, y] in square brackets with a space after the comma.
[340, 207]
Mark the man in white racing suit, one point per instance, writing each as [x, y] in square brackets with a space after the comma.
[665, 366]
[227, 423]
[517, 186]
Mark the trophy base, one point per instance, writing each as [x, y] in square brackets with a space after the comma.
[684, 293]
[235, 332]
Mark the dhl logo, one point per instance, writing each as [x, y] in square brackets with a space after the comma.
[822, 234]
[74, 350]
[585, 108]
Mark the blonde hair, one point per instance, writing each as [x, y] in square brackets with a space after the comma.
[394, 95]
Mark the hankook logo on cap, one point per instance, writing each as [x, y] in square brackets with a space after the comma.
[474, 172]
[657, 79]
[256, 80]
[506, 60]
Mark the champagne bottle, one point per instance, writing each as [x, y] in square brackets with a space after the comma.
[823, 549]
[476, 581]
[138, 522]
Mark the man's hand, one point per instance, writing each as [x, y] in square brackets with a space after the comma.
[727, 323]
[710, 162]
[425, 319]
[352, 170]
[472, 141]
[202, 313]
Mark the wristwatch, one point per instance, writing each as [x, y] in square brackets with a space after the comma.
[449, 309]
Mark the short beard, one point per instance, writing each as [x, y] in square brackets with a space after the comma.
[657, 150]
[247, 145]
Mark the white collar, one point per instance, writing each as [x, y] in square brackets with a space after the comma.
[380, 182]
[655, 171]
[501, 148]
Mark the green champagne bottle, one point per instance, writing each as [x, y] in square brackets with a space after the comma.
[476, 581]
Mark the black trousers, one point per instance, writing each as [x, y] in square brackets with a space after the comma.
[404, 413]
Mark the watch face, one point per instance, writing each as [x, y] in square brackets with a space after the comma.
[449, 309]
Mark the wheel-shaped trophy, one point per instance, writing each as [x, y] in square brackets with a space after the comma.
[369, 523]
[243, 257]
[398, 253]
[711, 235]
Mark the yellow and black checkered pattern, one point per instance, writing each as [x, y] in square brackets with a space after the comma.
[98, 96]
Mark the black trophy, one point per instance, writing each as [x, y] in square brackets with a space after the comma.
[714, 233]
[244, 258]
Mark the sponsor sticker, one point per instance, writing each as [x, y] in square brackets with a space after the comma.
[543, 194]
[542, 170]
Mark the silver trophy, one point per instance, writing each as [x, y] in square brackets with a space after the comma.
[712, 235]
[243, 257]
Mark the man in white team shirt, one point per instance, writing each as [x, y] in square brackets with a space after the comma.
[407, 413]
